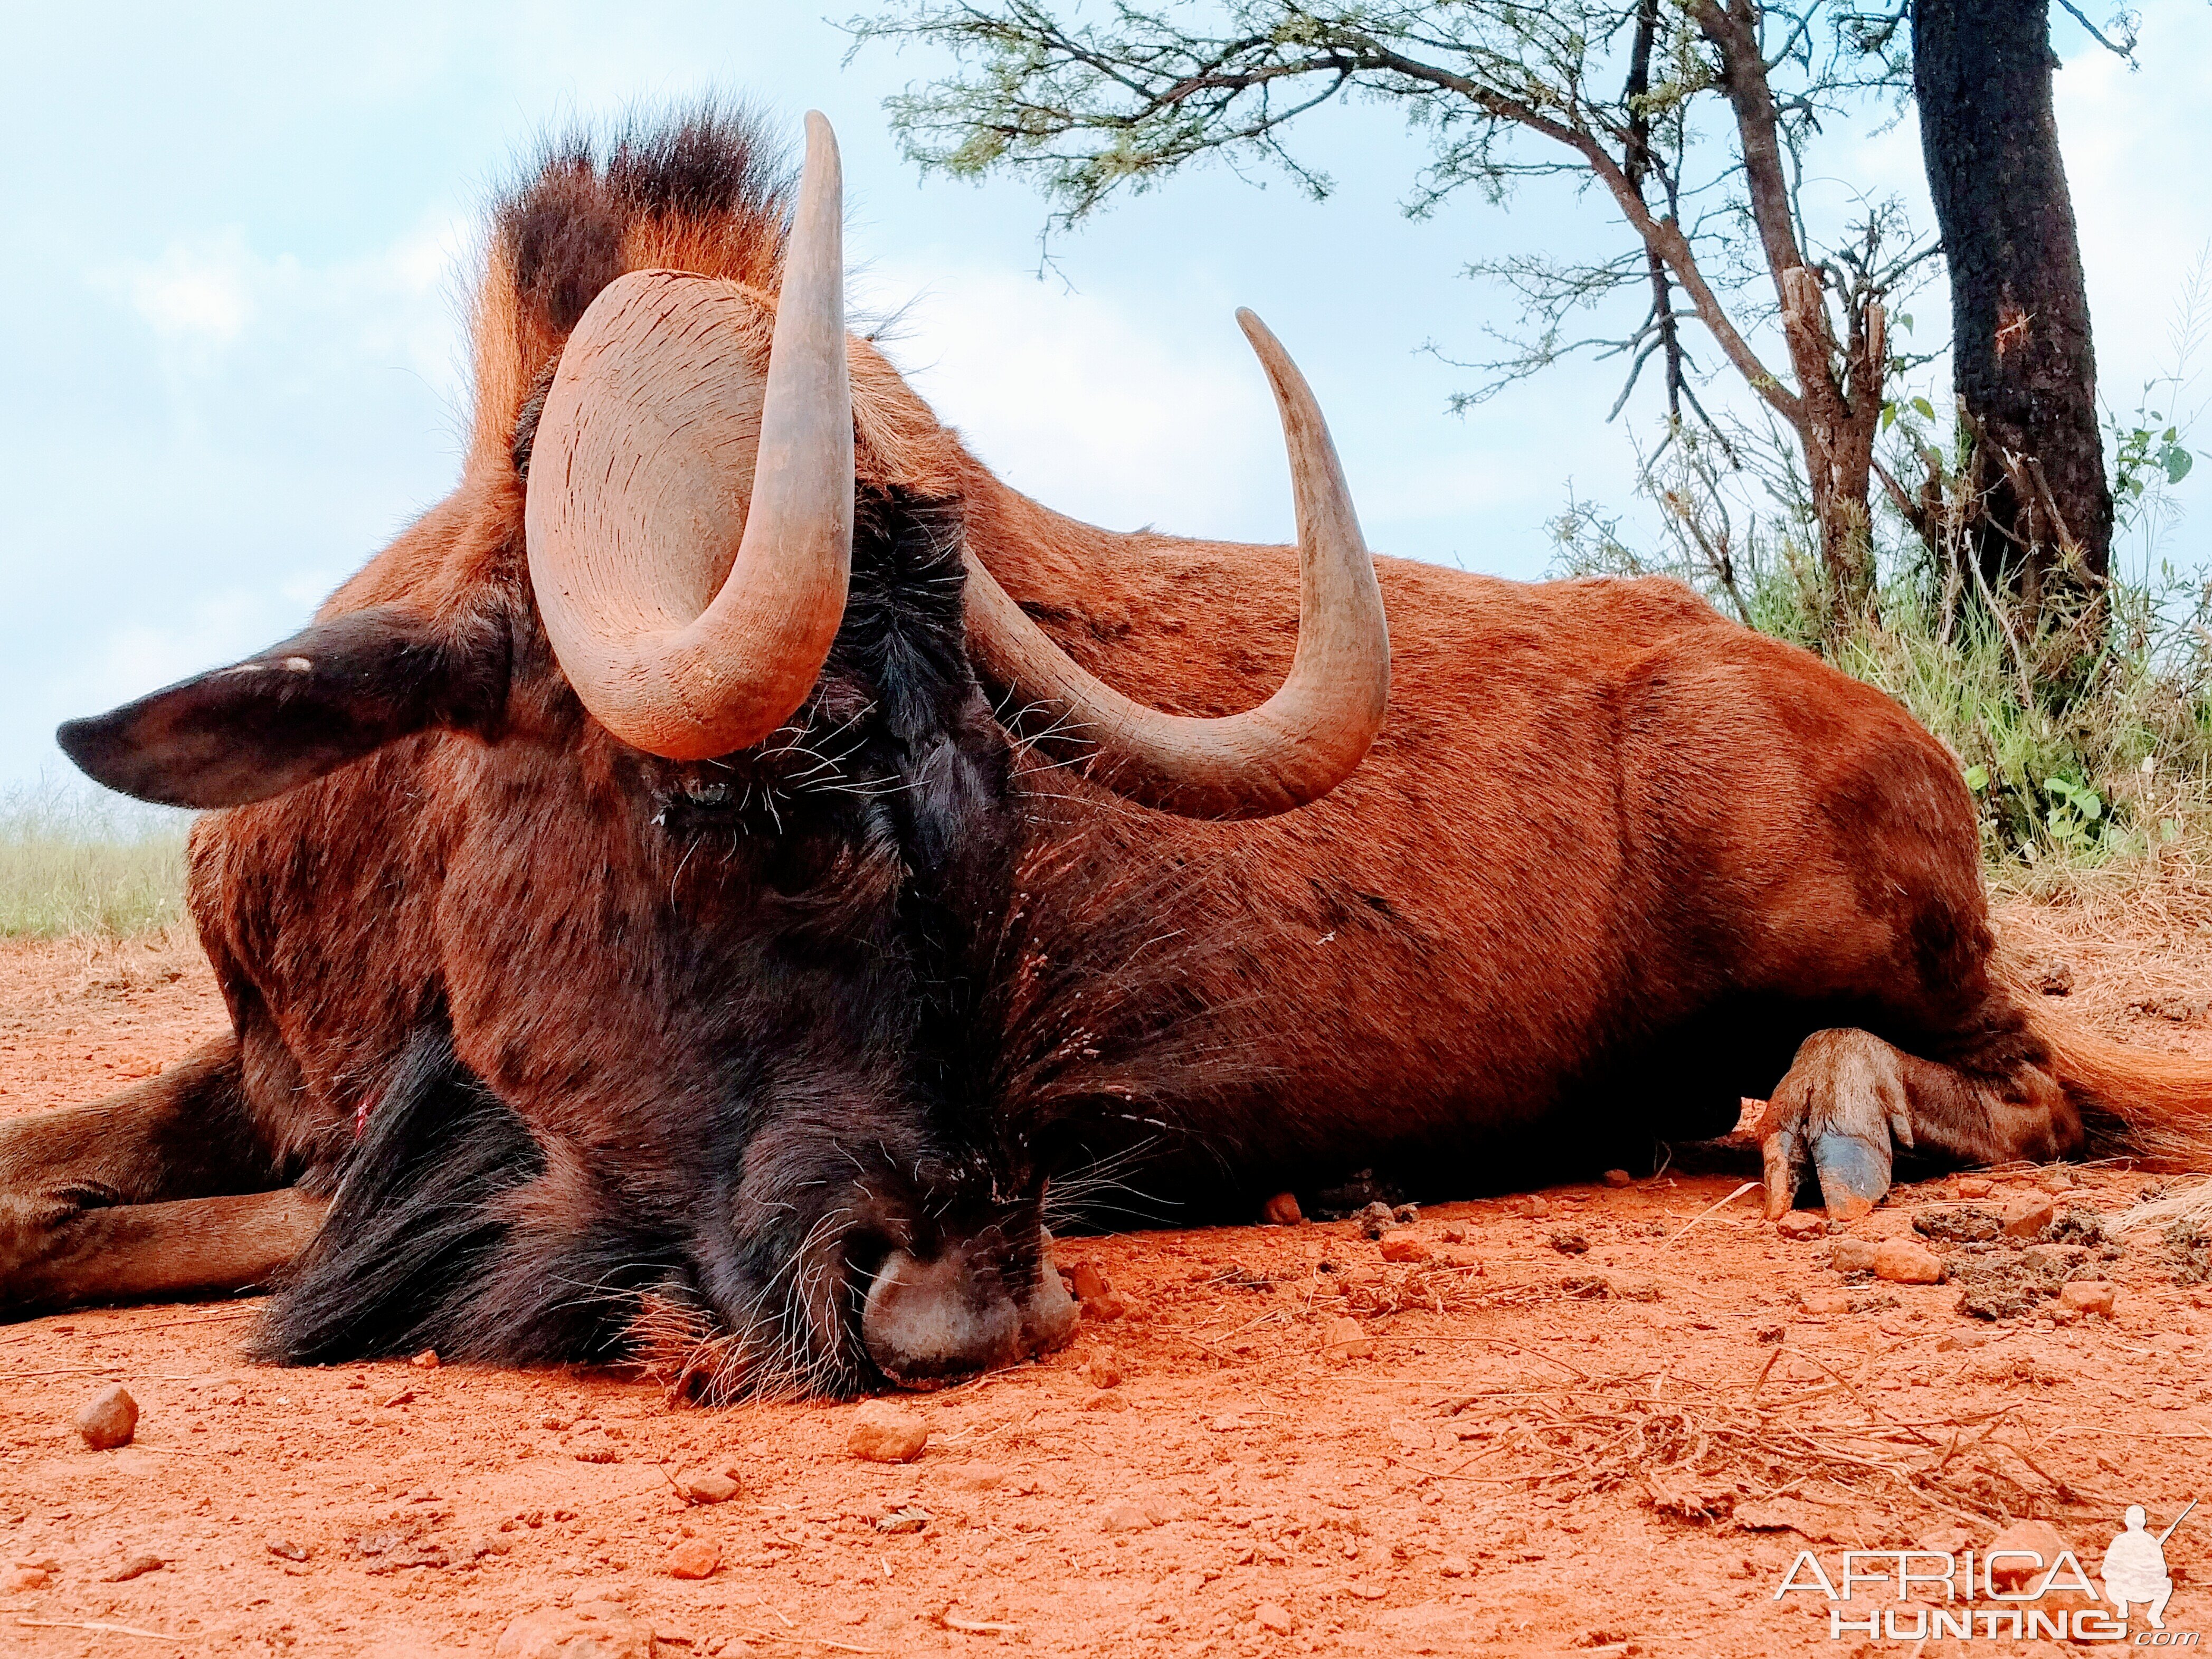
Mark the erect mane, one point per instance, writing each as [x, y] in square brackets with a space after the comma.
[707, 190]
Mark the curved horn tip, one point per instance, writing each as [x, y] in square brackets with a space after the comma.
[819, 131]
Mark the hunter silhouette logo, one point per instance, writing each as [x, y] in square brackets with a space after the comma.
[2009, 1592]
[2135, 1567]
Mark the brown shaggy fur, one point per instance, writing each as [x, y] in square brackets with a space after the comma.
[1612, 863]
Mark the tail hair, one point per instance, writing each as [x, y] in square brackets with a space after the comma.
[2135, 1103]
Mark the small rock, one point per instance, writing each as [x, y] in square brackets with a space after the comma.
[2173, 1006]
[1455, 1566]
[2056, 1179]
[1799, 1225]
[1102, 1369]
[885, 1433]
[2010, 1572]
[1905, 1261]
[2027, 1215]
[1122, 1515]
[137, 1567]
[1539, 1206]
[1568, 1242]
[1344, 1338]
[285, 1549]
[1272, 1616]
[26, 1578]
[694, 1558]
[1282, 1210]
[2052, 975]
[1107, 1400]
[975, 1477]
[1972, 1187]
[2088, 1296]
[1402, 1244]
[1824, 1303]
[1851, 1256]
[1377, 1219]
[1087, 1281]
[598, 1632]
[108, 1420]
[425, 1361]
[1619, 1178]
[1453, 1234]
[708, 1486]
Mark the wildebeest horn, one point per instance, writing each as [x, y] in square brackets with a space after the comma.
[678, 645]
[1299, 744]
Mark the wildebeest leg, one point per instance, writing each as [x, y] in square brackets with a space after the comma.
[154, 1191]
[1850, 1099]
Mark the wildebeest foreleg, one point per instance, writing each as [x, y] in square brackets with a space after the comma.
[1850, 1099]
[155, 1191]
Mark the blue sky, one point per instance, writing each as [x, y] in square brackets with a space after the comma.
[229, 303]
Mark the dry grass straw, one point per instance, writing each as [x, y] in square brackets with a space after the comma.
[72, 864]
[1704, 1452]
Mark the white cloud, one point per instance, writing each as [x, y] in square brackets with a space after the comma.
[194, 292]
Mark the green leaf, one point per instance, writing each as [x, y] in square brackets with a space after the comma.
[1888, 416]
[1978, 778]
[2168, 829]
[1905, 321]
[2090, 807]
[2178, 462]
[1927, 410]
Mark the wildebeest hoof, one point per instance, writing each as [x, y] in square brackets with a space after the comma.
[1838, 1116]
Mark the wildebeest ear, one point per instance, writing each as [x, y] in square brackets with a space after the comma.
[326, 697]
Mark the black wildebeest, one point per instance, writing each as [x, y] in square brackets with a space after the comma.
[600, 937]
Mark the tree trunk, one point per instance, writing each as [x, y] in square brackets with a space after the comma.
[2020, 349]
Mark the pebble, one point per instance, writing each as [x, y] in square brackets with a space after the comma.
[1801, 1225]
[595, 1632]
[27, 1578]
[1454, 1234]
[1904, 1261]
[108, 1420]
[1619, 1178]
[1122, 1515]
[885, 1433]
[708, 1487]
[285, 1550]
[425, 1361]
[1282, 1210]
[1851, 1256]
[694, 1558]
[2088, 1296]
[1403, 1244]
[2027, 1215]
[1825, 1303]
[1090, 1286]
[1272, 1616]
[1972, 1187]
[1455, 1566]
[975, 1477]
[137, 1567]
[2012, 1573]
[2056, 1179]
[1087, 1281]
[1102, 1369]
[1539, 1206]
[1344, 1338]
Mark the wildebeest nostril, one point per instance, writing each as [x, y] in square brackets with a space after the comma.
[924, 1320]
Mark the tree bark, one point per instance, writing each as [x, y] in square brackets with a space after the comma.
[2021, 354]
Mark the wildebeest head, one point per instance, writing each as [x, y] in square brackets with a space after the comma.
[621, 854]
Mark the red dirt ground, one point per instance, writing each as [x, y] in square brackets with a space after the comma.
[1542, 1466]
